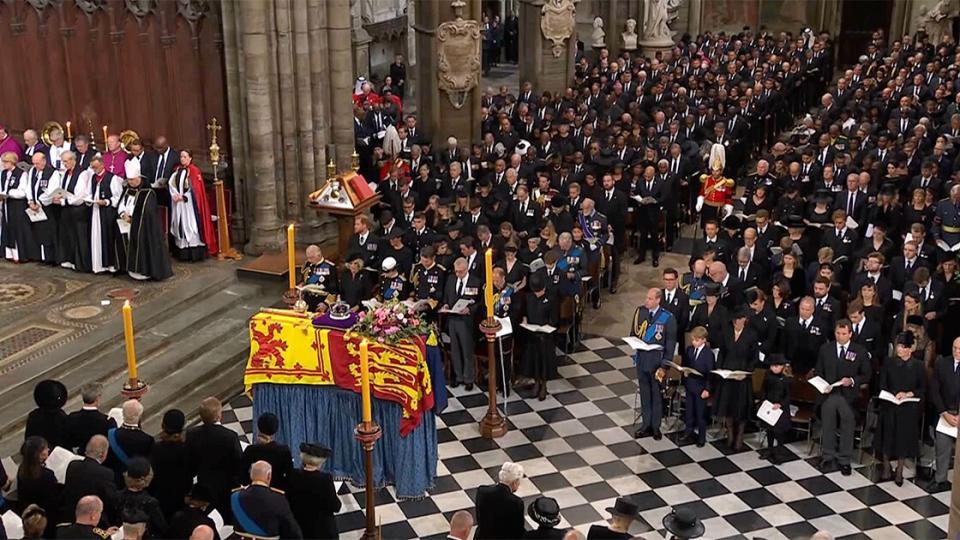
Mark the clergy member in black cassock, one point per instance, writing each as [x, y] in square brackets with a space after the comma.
[141, 249]
[73, 238]
[105, 190]
[15, 233]
[43, 180]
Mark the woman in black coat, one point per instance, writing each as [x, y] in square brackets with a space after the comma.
[738, 352]
[905, 377]
[172, 478]
[36, 484]
[135, 498]
[48, 420]
[712, 315]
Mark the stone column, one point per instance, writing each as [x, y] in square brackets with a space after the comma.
[257, 53]
[360, 39]
[341, 80]
[539, 61]
[289, 83]
[441, 118]
[694, 14]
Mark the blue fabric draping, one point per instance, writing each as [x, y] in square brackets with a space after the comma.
[437, 379]
[328, 415]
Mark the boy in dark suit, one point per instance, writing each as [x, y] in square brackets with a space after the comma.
[699, 357]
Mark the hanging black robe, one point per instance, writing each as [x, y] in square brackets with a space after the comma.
[73, 238]
[143, 251]
[44, 232]
[17, 233]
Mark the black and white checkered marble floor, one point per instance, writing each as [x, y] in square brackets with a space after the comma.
[577, 447]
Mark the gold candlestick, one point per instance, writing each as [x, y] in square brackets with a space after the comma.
[226, 250]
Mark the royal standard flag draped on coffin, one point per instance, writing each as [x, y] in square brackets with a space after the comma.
[288, 349]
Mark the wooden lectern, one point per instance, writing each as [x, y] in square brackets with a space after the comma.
[346, 196]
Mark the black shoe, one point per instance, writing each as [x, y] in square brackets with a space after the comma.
[638, 260]
[639, 433]
[613, 289]
[455, 384]
[847, 471]
[469, 387]
[657, 435]
[827, 466]
[937, 487]
[701, 443]
[596, 304]
[688, 438]
[656, 262]
[764, 453]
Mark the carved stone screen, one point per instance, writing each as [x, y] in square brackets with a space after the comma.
[153, 66]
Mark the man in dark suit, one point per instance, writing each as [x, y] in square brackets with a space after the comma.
[802, 337]
[675, 300]
[525, 213]
[88, 421]
[499, 510]
[845, 362]
[747, 273]
[213, 454]
[612, 203]
[88, 476]
[944, 395]
[903, 266]
[826, 307]
[269, 450]
[867, 333]
[460, 324]
[653, 193]
[711, 240]
[312, 494]
[654, 326]
[364, 242]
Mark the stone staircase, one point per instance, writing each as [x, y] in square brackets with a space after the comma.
[191, 344]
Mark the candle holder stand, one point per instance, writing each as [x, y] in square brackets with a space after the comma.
[492, 426]
[368, 433]
[134, 389]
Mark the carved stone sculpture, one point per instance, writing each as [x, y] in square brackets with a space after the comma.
[938, 21]
[656, 27]
[629, 36]
[141, 8]
[458, 59]
[598, 36]
[557, 23]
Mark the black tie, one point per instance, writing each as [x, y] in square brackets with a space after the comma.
[956, 368]
[851, 198]
[743, 275]
[523, 209]
[459, 287]
[159, 169]
[843, 352]
[923, 293]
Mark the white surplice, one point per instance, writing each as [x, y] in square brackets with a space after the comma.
[183, 216]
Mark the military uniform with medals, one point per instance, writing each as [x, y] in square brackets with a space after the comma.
[394, 287]
[322, 274]
[947, 222]
[262, 512]
[428, 284]
[80, 531]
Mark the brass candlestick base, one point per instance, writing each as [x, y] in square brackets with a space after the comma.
[134, 389]
[291, 296]
[368, 433]
[492, 426]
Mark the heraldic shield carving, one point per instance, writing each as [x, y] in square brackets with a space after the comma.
[458, 59]
[557, 22]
